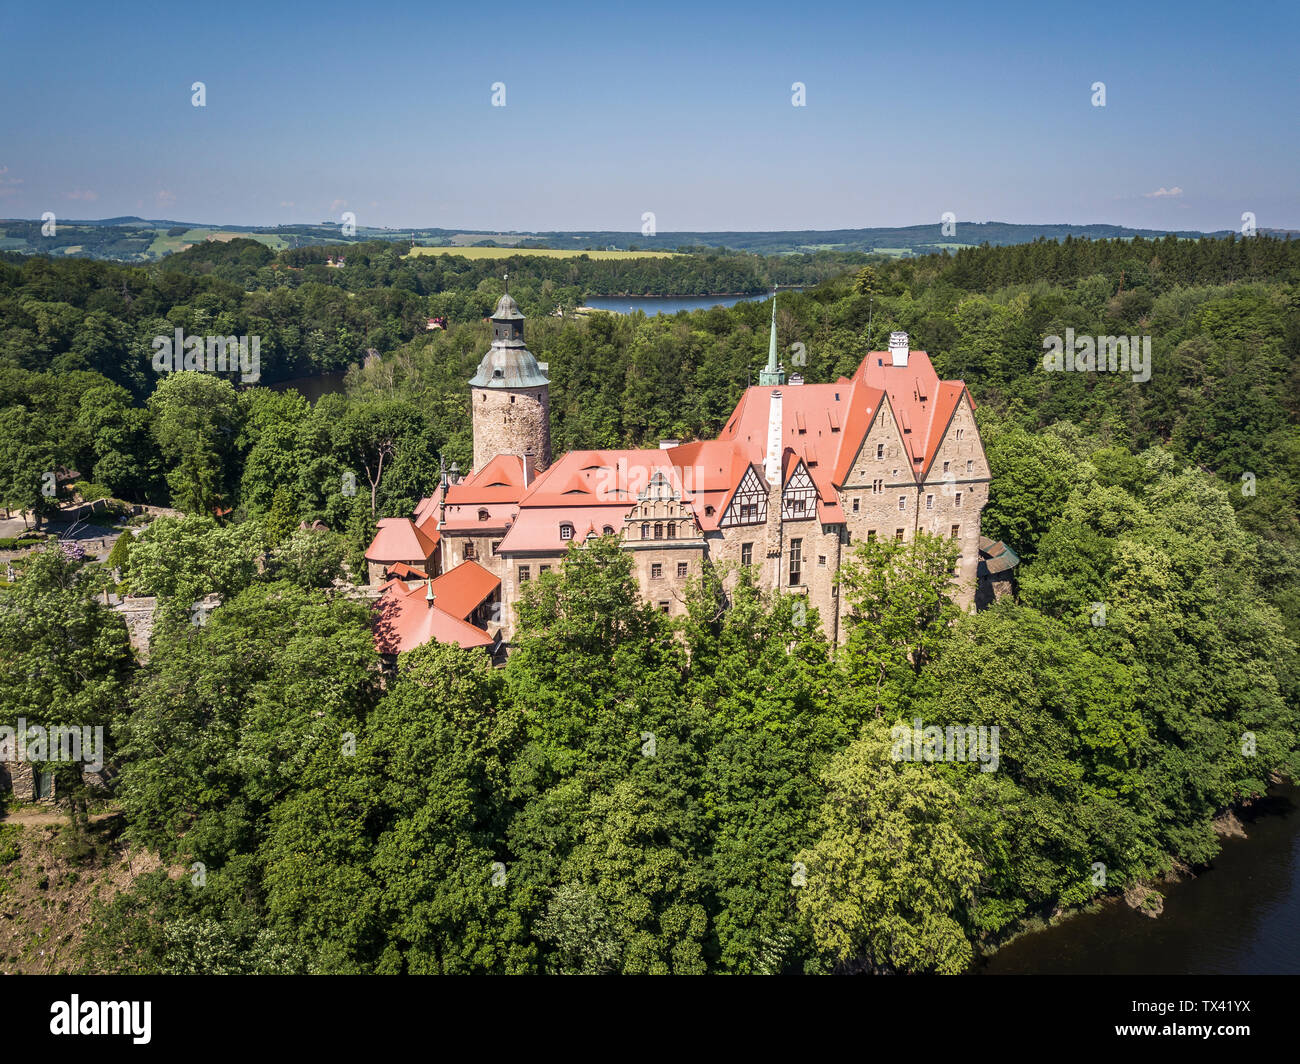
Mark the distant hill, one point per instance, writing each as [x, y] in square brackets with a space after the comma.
[132, 239]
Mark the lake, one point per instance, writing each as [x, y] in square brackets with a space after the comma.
[652, 305]
[1241, 916]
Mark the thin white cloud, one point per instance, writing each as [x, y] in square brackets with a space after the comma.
[88, 194]
[1162, 192]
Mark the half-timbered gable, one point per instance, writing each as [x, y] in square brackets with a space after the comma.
[799, 498]
[748, 505]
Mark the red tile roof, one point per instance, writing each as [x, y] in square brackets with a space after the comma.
[398, 540]
[460, 590]
[402, 571]
[921, 402]
[407, 620]
[824, 425]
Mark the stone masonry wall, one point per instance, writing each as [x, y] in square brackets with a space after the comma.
[511, 421]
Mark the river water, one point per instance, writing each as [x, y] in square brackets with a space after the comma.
[1239, 917]
[312, 387]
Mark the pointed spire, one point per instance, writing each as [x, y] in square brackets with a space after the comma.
[773, 374]
[771, 342]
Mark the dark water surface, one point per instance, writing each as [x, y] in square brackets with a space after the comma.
[313, 387]
[652, 305]
[1239, 917]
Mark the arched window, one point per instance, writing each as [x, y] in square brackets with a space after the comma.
[566, 531]
[483, 515]
[608, 530]
[659, 530]
[645, 531]
[672, 529]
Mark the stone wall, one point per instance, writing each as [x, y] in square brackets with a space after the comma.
[138, 613]
[511, 421]
[19, 778]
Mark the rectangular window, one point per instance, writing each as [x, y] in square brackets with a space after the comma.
[663, 605]
[871, 535]
[961, 433]
[902, 502]
[956, 531]
[681, 570]
[543, 569]
[957, 500]
[747, 554]
[796, 561]
[880, 450]
[672, 529]
[821, 560]
[496, 548]
[970, 465]
[856, 502]
[877, 487]
[898, 535]
[656, 571]
[929, 502]
[945, 467]
[524, 574]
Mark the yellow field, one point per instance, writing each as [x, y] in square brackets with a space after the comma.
[546, 253]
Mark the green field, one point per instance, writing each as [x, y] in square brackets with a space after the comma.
[546, 253]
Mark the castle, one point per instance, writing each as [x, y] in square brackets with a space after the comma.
[799, 475]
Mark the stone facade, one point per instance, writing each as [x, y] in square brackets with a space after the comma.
[511, 421]
[799, 477]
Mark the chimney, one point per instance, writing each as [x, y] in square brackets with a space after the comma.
[898, 349]
[796, 379]
[772, 463]
[668, 445]
[530, 467]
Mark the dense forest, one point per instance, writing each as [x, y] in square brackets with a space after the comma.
[631, 794]
[139, 240]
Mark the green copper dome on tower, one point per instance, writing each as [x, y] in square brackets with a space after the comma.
[508, 363]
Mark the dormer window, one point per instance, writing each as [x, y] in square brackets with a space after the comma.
[708, 511]
[566, 531]
[483, 515]
[608, 530]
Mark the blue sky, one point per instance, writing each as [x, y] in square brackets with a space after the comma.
[683, 109]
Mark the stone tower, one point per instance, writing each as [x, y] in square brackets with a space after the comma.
[511, 394]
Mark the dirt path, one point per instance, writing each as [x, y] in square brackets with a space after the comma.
[39, 818]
